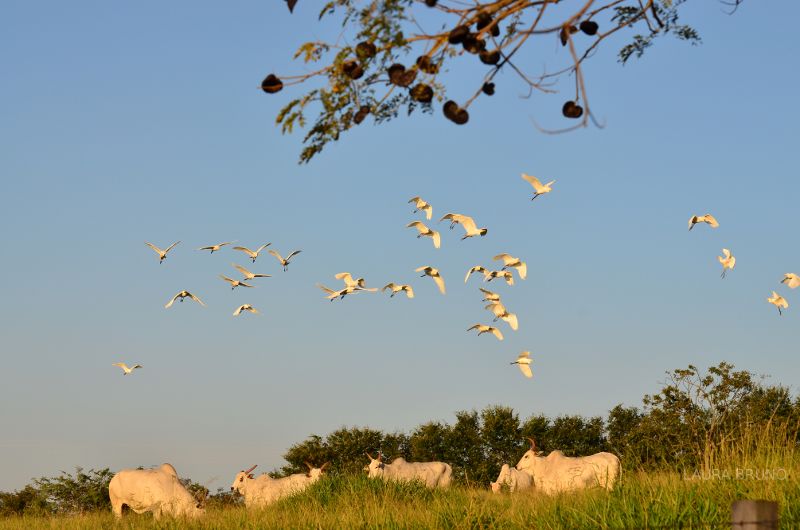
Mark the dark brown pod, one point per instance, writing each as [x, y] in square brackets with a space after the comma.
[365, 50]
[424, 63]
[589, 27]
[495, 30]
[362, 113]
[488, 89]
[563, 34]
[455, 113]
[483, 20]
[492, 57]
[430, 3]
[457, 34]
[473, 44]
[422, 93]
[352, 69]
[572, 110]
[271, 84]
[407, 77]
[395, 73]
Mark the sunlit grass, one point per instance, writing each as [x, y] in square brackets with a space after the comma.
[640, 500]
[763, 465]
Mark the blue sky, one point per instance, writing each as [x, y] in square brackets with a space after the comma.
[132, 123]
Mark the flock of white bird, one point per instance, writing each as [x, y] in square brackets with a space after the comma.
[234, 283]
[728, 262]
[494, 303]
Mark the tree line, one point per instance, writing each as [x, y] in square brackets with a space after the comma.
[693, 418]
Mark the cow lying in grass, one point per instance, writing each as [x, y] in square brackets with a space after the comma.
[557, 473]
[432, 474]
[513, 479]
[265, 490]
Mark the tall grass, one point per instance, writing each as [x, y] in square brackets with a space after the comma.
[700, 499]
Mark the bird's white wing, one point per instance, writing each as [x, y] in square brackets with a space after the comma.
[262, 247]
[468, 223]
[242, 284]
[389, 285]
[346, 277]
[522, 270]
[245, 250]
[726, 252]
[409, 291]
[277, 256]
[439, 283]
[525, 369]
[475, 326]
[489, 295]
[414, 199]
[238, 310]
[241, 269]
[533, 181]
[121, 365]
[135, 366]
[511, 320]
[326, 289]
[423, 268]
[711, 220]
[293, 253]
[524, 355]
[230, 281]
[206, 248]
[419, 225]
[451, 216]
[428, 212]
[550, 183]
[437, 239]
[169, 304]
[507, 258]
[171, 247]
[193, 297]
[476, 268]
[496, 332]
[155, 248]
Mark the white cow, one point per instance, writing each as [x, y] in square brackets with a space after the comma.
[152, 490]
[513, 478]
[432, 474]
[265, 490]
[556, 473]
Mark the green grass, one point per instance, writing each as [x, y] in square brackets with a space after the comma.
[640, 501]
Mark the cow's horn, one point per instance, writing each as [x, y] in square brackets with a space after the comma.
[369, 456]
[249, 470]
[310, 467]
[325, 466]
[533, 444]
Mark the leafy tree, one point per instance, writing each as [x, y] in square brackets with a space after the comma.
[394, 55]
[577, 436]
[27, 501]
[465, 449]
[83, 492]
[429, 442]
[344, 448]
[502, 438]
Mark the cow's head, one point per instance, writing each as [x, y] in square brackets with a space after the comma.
[240, 482]
[314, 473]
[530, 457]
[376, 466]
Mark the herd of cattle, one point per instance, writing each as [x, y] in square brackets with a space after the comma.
[161, 492]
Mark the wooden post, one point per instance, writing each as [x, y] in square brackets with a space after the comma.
[754, 515]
